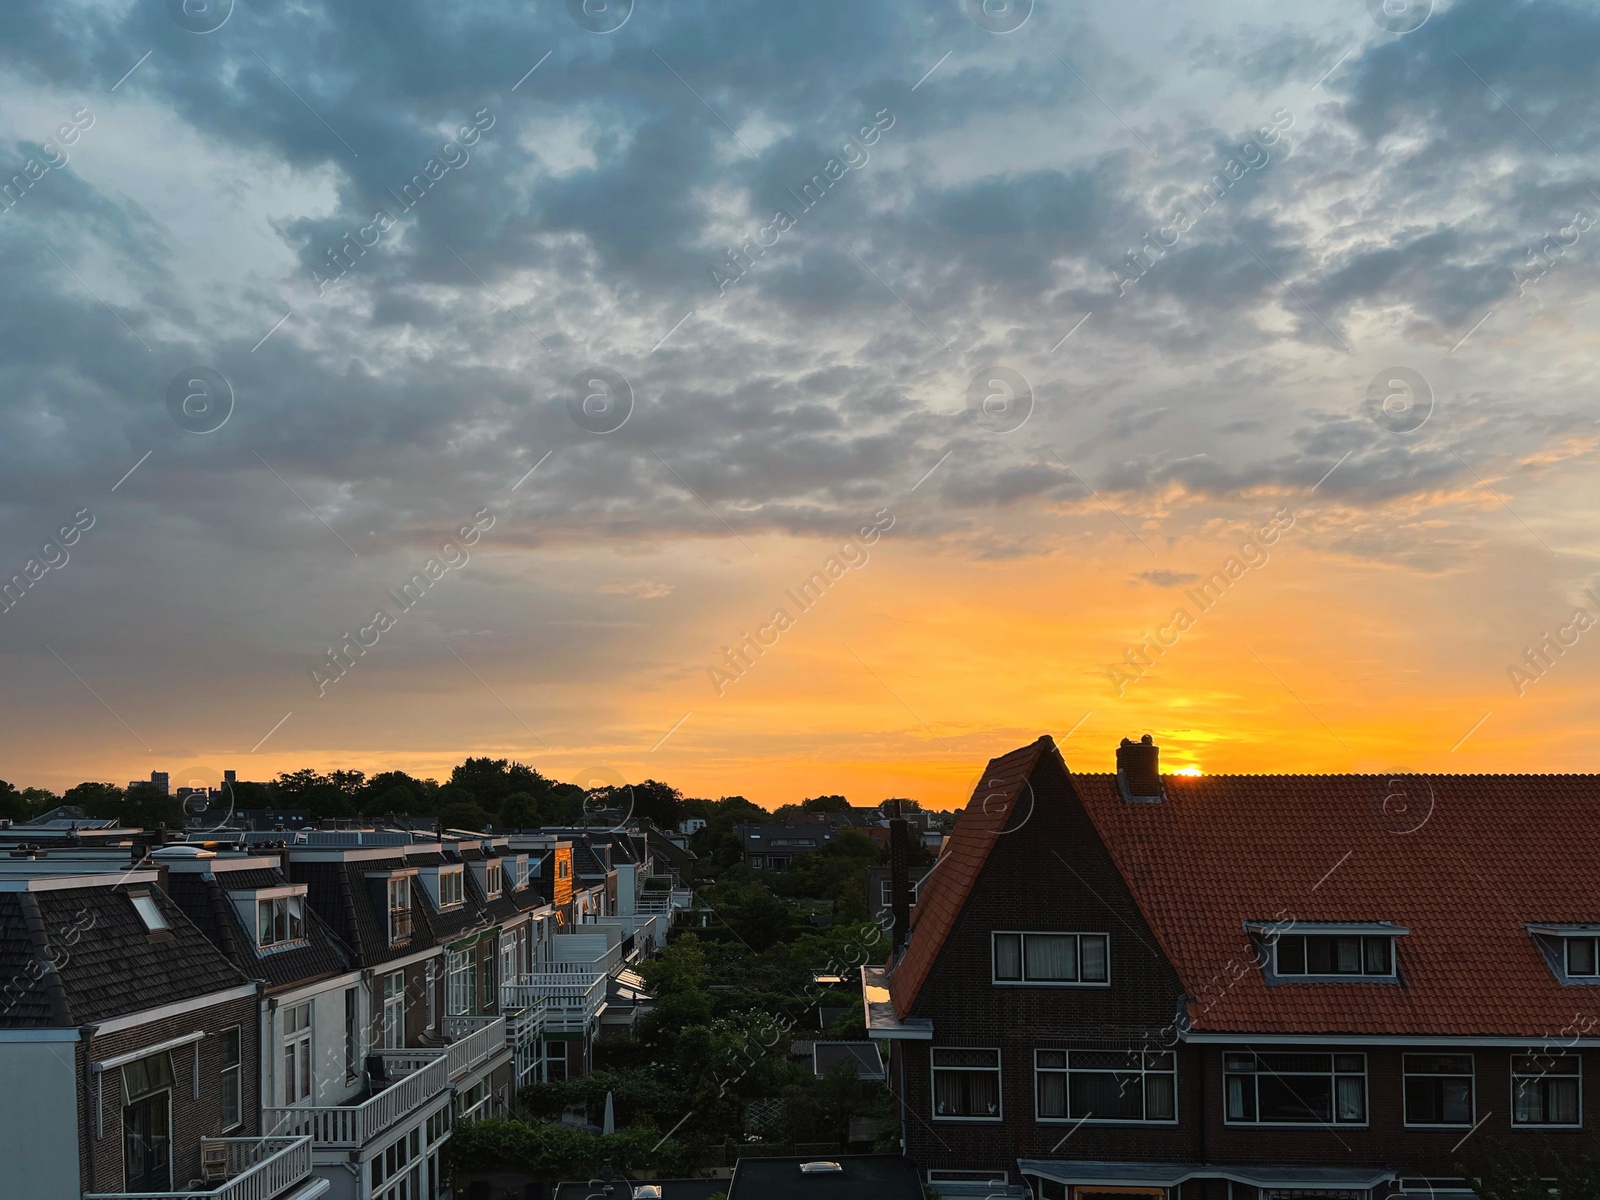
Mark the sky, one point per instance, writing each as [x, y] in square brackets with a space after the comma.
[1222, 372]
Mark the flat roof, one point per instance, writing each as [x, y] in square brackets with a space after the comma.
[861, 1177]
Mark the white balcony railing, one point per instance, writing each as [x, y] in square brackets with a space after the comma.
[257, 1169]
[571, 999]
[347, 1126]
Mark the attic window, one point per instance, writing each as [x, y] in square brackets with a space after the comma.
[280, 920]
[1329, 954]
[451, 894]
[1581, 956]
[144, 904]
[494, 880]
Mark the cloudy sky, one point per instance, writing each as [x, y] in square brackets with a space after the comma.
[673, 301]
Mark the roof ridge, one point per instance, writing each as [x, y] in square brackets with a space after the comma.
[60, 1007]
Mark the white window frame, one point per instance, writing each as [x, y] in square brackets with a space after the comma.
[394, 1010]
[1334, 1075]
[1361, 976]
[150, 915]
[1069, 1070]
[1407, 1074]
[1577, 1078]
[293, 909]
[998, 1070]
[452, 888]
[232, 1075]
[432, 974]
[299, 1079]
[354, 1050]
[459, 983]
[494, 879]
[1022, 952]
[398, 888]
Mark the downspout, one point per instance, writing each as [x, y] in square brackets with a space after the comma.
[900, 1054]
[90, 1096]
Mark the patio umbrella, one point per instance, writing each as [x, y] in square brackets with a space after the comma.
[610, 1123]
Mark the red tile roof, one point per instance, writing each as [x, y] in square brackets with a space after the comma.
[947, 886]
[1465, 862]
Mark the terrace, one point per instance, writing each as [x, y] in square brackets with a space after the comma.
[245, 1168]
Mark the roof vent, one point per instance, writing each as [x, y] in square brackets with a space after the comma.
[183, 850]
[820, 1168]
[1139, 770]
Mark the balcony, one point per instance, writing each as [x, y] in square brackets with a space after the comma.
[570, 996]
[351, 1126]
[256, 1169]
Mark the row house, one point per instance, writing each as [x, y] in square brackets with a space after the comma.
[774, 847]
[128, 1042]
[1247, 987]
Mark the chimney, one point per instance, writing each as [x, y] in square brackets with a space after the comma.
[899, 878]
[1139, 770]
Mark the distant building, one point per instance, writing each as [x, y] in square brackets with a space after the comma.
[773, 847]
[161, 779]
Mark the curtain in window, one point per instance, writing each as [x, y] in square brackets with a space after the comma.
[1107, 1097]
[966, 1093]
[1007, 956]
[1051, 956]
[1093, 953]
[1562, 1101]
[1160, 1101]
[1052, 1094]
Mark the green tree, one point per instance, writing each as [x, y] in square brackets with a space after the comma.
[145, 806]
[461, 811]
[1539, 1174]
[518, 811]
[827, 804]
[103, 801]
[13, 807]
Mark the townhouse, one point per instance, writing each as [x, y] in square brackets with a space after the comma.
[1246, 987]
[127, 1043]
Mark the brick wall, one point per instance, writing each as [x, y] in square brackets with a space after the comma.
[192, 1118]
[1051, 872]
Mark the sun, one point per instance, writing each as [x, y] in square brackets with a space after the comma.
[1190, 770]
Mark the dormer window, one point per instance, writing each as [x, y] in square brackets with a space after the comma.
[399, 892]
[451, 888]
[1573, 951]
[280, 920]
[1322, 953]
[494, 880]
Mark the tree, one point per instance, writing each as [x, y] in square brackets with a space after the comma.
[655, 801]
[826, 804]
[461, 811]
[1538, 1174]
[145, 806]
[13, 806]
[102, 801]
[519, 811]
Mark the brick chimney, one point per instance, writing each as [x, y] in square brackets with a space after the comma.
[900, 877]
[1139, 770]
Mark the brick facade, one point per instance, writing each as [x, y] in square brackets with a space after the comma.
[193, 1118]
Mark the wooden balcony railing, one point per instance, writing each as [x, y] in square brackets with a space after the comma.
[257, 1168]
[571, 999]
[347, 1126]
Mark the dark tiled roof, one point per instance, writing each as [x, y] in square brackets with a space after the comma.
[206, 903]
[945, 890]
[107, 963]
[353, 905]
[26, 996]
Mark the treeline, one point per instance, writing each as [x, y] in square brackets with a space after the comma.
[480, 792]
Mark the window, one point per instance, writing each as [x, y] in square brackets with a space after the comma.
[1296, 1089]
[1544, 1089]
[433, 993]
[966, 1084]
[1335, 954]
[458, 982]
[494, 880]
[450, 890]
[886, 893]
[394, 1010]
[352, 1033]
[230, 1058]
[1051, 958]
[397, 1169]
[1581, 957]
[758, 862]
[1105, 1085]
[297, 1053]
[563, 868]
[149, 912]
[280, 919]
[399, 909]
[1438, 1089]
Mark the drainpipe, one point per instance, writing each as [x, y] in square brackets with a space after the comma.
[86, 1042]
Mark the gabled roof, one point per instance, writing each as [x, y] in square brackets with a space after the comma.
[947, 886]
[1465, 862]
[107, 964]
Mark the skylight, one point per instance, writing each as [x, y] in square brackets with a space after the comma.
[145, 906]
